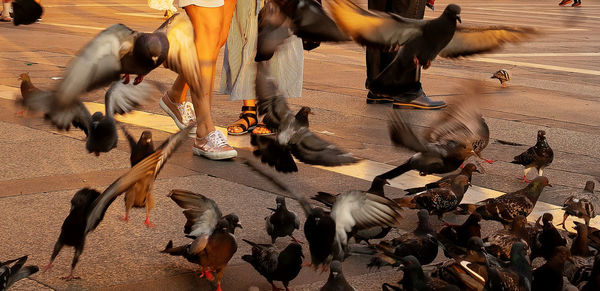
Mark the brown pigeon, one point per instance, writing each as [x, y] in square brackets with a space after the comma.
[580, 204]
[538, 156]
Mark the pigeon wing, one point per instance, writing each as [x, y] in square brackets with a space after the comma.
[273, 30]
[374, 29]
[265, 257]
[402, 133]
[271, 103]
[363, 210]
[313, 150]
[123, 98]
[201, 212]
[149, 166]
[475, 40]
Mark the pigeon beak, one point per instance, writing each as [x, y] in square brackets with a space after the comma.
[477, 171]
[458, 18]
[334, 274]
[470, 185]
[239, 225]
[387, 183]
[311, 113]
[401, 267]
[155, 59]
[549, 185]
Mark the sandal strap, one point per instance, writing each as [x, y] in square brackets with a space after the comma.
[248, 108]
[246, 117]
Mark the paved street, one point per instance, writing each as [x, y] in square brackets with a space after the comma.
[555, 86]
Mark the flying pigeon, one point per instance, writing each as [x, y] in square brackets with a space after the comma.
[423, 40]
[293, 135]
[449, 140]
[503, 76]
[214, 243]
[88, 206]
[140, 195]
[282, 222]
[467, 170]
[99, 128]
[580, 204]
[538, 156]
[11, 274]
[336, 280]
[274, 265]
[506, 207]
[115, 51]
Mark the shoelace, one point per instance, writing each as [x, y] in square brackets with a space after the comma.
[187, 112]
[217, 139]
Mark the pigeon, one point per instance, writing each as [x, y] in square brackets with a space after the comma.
[415, 279]
[114, 51]
[281, 266]
[467, 170]
[580, 245]
[538, 156]
[449, 140]
[328, 233]
[11, 274]
[593, 282]
[423, 40]
[26, 11]
[336, 280]
[469, 272]
[88, 206]
[454, 237]
[500, 243]
[214, 243]
[547, 240]
[421, 243]
[503, 76]
[277, 20]
[140, 195]
[517, 276]
[438, 200]
[282, 222]
[506, 207]
[580, 204]
[100, 129]
[430, 4]
[293, 136]
[549, 277]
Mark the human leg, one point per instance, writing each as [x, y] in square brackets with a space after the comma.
[5, 17]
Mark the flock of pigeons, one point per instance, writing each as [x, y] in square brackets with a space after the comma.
[498, 262]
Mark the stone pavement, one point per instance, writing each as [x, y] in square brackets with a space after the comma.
[554, 87]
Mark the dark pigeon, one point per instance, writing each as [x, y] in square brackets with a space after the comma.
[538, 156]
[281, 266]
[140, 149]
[549, 277]
[449, 140]
[469, 272]
[467, 170]
[282, 222]
[580, 246]
[26, 12]
[293, 135]
[454, 237]
[506, 207]
[500, 243]
[213, 242]
[517, 276]
[547, 240]
[88, 206]
[336, 280]
[580, 204]
[14, 270]
[415, 279]
[593, 282]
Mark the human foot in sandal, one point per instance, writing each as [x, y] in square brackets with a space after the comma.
[262, 129]
[247, 121]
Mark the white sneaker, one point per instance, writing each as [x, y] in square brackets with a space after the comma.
[214, 147]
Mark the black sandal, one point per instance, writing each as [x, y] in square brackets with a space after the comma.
[245, 115]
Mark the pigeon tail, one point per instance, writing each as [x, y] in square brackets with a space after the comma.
[396, 171]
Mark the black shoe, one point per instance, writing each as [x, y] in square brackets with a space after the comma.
[373, 98]
[421, 102]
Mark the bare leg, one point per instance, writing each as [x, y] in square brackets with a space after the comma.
[178, 91]
[564, 219]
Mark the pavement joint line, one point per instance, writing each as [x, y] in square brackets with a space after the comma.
[536, 66]
[147, 15]
[364, 169]
[74, 26]
[533, 12]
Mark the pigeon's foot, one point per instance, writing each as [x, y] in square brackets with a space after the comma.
[416, 61]
[126, 218]
[47, 267]
[219, 287]
[525, 180]
[138, 79]
[275, 288]
[70, 277]
[426, 65]
[208, 275]
[97, 154]
[564, 2]
[21, 113]
[324, 269]
[295, 240]
[503, 85]
[126, 79]
[148, 223]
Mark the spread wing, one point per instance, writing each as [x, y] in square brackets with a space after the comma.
[182, 57]
[148, 167]
[375, 29]
[475, 40]
[273, 29]
[402, 133]
[311, 149]
[461, 121]
[130, 139]
[271, 103]
[122, 98]
[363, 210]
[202, 213]
[11, 274]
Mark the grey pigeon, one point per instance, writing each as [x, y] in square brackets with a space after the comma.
[423, 40]
[282, 222]
[581, 204]
[449, 140]
[88, 206]
[14, 270]
[336, 280]
[274, 265]
[538, 156]
[277, 20]
[415, 279]
[467, 170]
[293, 135]
[114, 51]
[213, 242]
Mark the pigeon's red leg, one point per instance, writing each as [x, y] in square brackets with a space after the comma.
[70, 277]
[416, 61]
[21, 112]
[126, 79]
[138, 79]
[275, 288]
[97, 154]
[219, 287]
[525, 179]
[462, 165]
[47, 267]
[295, 240]
[564, 219]
[427, 65]
[488, 161]
[126, 218]
[148, 223]
[208, 275]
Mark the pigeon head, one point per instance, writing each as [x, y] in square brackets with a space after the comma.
[335, 268]
[518, 223]
[589, 186]
[229, 222]
[302, 115]
[518, 253]
[24, 77]
[280, 201]
[146, 137]
[537, 185]
[475, 244]
[97, 117]
[410, 264]
[453, 11]
[377, 186]
[424, 226]
[560, 255]
[470, 168]
[473, 219]
[152, 46]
